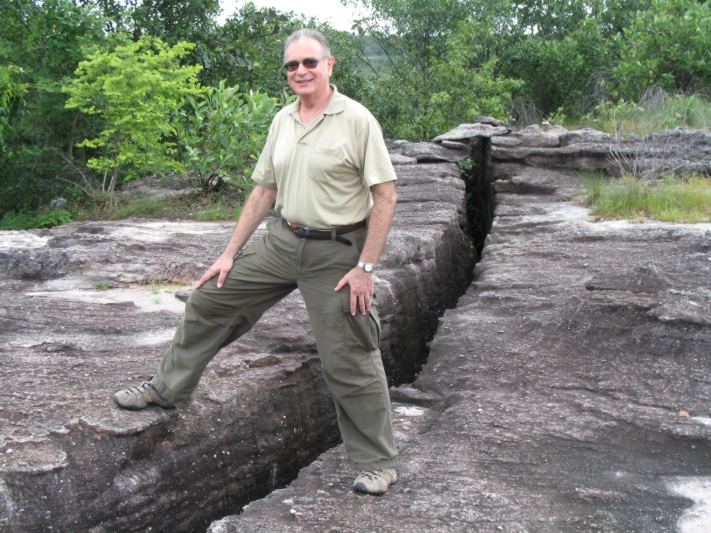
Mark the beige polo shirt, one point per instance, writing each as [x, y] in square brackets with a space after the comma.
[323, 173]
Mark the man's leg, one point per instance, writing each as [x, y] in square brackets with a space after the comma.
[350, 358]
[261, 276]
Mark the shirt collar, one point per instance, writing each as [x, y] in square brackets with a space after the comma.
[336, 104]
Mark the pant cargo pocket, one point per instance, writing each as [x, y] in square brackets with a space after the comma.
[361, 331]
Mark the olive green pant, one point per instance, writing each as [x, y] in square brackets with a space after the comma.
[264, 273]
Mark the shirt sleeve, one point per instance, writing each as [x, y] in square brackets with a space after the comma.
[377, 167]
[264, 171]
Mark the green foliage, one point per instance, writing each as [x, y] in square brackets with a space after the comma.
[221, 136]
[171, 20]
[18, 221]
[669, 199]
[668, 46]
[248, 50]
[44, 39]
[439, 75]
[23, 220]
[12, 100]
[135, 89]
[54, 218]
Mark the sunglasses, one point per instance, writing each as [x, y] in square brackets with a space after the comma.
[309, 62]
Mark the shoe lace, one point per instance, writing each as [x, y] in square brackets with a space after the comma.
[145, 386]
[371, 474]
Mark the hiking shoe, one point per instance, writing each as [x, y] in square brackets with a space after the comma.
[140, 397]
[375, 482]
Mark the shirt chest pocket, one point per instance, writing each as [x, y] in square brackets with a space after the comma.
[324, 164]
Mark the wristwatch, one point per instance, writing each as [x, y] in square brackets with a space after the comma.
[368, 267]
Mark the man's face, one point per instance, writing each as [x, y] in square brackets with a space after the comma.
[309, 82]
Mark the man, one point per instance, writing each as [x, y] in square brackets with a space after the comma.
[326, 168]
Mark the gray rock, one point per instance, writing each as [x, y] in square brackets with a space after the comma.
[456, 145]
[183, 294]
[491, 121]
[57, 203]
[467, 132]
[649, 157]
[427, 152]
[397, 159]
[586, 135]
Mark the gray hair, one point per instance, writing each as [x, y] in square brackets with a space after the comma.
[310, 34]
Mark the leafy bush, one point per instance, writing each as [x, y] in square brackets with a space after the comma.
[23, 220]
[221, 136]
[667, 46]
[12, 99]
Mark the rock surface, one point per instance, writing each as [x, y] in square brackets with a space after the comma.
[554, 147]
[569, 390]
[89, 308]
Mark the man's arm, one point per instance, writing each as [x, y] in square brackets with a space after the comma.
[255, 209]
[381, 216]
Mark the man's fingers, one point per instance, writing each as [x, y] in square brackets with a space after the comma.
[206, 276]
[341, 284]
[221, 279]
[363, 304]
[354, 301]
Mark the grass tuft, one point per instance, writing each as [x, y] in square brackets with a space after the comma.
[669, 199]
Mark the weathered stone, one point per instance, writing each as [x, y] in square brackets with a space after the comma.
[508, 140]
[467, 132]
[576, 156]
[649, 157]
[552, 395]
[87, 309]
[456, 145]
[428, 152]
[397, 159]
[491, 121]
[586, 135]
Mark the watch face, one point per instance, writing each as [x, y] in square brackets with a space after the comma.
[368, 267]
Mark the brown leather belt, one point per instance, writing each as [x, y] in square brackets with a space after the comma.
[324, 234]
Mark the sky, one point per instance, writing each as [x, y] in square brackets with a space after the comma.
[332, 11]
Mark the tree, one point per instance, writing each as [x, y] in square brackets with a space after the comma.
[12, 100]
[668, 46]
[170, 20]
[136, 89]
[44, 39]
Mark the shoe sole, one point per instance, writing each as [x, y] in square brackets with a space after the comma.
[362, 489]
[132, 408]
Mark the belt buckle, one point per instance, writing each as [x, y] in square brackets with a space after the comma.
[302, 231]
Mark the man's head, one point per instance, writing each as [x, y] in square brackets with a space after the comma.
[309, 64]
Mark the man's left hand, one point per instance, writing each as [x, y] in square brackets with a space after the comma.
[362, 289]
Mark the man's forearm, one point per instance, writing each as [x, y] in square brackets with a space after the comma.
[255, 209]
[381, 216]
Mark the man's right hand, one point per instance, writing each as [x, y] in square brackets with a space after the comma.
[222, 266]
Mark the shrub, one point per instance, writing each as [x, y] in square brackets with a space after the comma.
[221, 136]
[24, 220]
